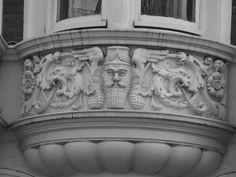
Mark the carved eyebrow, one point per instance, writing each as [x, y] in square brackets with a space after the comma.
[123, 69]
[111, 68]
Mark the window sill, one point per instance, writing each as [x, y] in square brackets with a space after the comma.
[167, 23]
[80, 22]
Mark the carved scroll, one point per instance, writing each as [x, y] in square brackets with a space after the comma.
[59, 81]
[181, 81]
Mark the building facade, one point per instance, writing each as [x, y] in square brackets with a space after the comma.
[117, 88]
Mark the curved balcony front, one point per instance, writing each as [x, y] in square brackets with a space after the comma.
[108, 102]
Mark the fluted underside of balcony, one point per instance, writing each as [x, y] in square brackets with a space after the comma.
[122, 142]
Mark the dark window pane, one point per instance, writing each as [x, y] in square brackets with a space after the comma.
[77, 8]
[181, 9]
[233, 23]
[191, 10]
[12, 21]
[63, 10]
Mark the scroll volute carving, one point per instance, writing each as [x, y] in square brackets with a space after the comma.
[61, 81]
[147, 80]
[181, 82]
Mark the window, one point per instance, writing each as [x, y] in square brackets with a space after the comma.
[233, 23]
[209, 19]
[12, 20]
[72, 14]
[77, 8]
[182, 9]
[178, 15]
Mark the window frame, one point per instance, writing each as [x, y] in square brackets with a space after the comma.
[169, 23]
[89, 21]
[213, 19]
[1, 13]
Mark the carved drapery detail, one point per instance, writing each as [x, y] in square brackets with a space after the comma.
[144, 79]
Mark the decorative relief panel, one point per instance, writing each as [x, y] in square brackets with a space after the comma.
[140, 79]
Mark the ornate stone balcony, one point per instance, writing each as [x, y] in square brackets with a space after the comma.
[106, 103]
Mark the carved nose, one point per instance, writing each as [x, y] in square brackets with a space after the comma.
[116, 77]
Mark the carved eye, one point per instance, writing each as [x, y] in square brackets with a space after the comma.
[122, 72]
[110, 72]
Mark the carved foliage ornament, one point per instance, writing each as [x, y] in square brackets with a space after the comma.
[150, 80]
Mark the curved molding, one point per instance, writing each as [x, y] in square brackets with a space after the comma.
[122, 142]
[13, 173]
[230, 174]
[152, 39]
[123, 125]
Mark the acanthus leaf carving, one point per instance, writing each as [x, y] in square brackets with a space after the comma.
[58, 79]
[149, 80]
[180, 81]
[92, 56]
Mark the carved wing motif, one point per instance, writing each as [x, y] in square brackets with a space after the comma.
[93, 88]
[177, 80]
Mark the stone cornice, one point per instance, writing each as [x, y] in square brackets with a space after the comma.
[120, 125]
[152, 39]
[122, 114]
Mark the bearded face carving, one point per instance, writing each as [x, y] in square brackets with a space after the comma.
[117, 76]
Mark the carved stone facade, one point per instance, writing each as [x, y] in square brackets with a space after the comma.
[113, 103]
[128, 78]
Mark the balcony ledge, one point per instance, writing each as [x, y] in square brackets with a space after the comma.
[105, 132]
[150, 39]
[97, 121]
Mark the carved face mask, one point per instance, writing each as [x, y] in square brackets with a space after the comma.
[116, 75]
